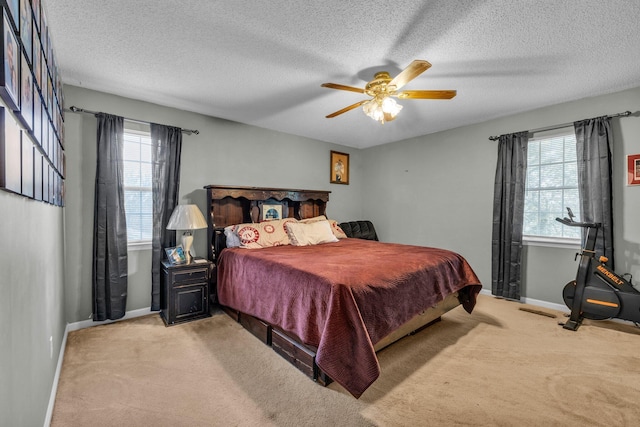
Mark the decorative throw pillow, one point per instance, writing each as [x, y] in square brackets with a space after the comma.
[263, 234]
[312, 233]
[335, 228]
[233, 241]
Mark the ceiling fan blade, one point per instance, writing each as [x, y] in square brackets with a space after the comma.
[349, 108]
[426, 94]
[342, 87]
[414, 69]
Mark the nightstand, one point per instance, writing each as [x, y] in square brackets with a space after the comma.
[184, 293]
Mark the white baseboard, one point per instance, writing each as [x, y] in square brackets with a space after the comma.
[56, 378]
[545, 304]
[74, 327]
[536, 302]
[128, 315]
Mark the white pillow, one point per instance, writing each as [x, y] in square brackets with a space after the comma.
[233, 241]
[337, 231]
[312, 233]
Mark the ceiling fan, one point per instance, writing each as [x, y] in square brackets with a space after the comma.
[382, 89]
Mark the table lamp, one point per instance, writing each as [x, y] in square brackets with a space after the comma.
[187, 218]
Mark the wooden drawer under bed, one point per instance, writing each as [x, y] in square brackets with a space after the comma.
[301, 357]
[298, 355]
[257, 327]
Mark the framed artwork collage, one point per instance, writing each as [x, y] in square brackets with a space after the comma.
[32, 158]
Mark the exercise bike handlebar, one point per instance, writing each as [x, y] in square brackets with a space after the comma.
[572, 223]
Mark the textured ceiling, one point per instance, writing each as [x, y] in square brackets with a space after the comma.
[262, 62]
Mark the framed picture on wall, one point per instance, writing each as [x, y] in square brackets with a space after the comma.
[43, 78]
[54, 188]
[37, 65]
[35, 5]
[26, 95]
[44, 33]
[50, 95]
[45, 180]
[37, 117]
[27, 165]
[52, 183]
[633, 169]
[13, 9]
[10, 78]
[59, 196]
[45, 133]
[26, 24]
[339, 163]
[37, 174]
[10, 153]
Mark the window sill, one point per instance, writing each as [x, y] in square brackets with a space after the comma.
[139, 246]
[553, 242]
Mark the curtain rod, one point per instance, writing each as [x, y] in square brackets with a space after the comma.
[564, 125]
[75, 109]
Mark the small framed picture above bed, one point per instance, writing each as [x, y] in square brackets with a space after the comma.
[339, 173]
[269, 212]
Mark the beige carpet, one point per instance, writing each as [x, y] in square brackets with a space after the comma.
[500, 366]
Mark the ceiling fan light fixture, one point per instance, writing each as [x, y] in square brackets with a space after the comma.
[371, 109]
[390, 106]
[382, 109]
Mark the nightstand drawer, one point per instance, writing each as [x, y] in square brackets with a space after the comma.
[190, 275]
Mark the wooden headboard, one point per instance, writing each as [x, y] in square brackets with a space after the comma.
[228, 205]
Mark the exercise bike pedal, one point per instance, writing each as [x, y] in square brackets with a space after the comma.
[571, 325]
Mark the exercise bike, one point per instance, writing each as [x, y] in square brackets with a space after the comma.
[597, 293]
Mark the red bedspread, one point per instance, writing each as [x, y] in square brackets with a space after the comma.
[341, 298]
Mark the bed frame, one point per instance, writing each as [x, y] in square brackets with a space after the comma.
[228, 205]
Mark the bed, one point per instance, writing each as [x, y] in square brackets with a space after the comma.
[327, 308]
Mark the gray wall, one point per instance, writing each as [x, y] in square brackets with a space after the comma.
[433, 190]
[31, 307]
[224, 153]
[437, 190]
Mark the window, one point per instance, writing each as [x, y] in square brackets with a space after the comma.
[551, 187]
[138, 199]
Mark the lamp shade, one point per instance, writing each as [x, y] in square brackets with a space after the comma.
[186, 217]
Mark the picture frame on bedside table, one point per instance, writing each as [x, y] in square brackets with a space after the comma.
[176, 255]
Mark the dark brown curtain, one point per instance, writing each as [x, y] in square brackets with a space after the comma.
[593, 150]
[508, 215]
[166, 146]
[109, 223]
